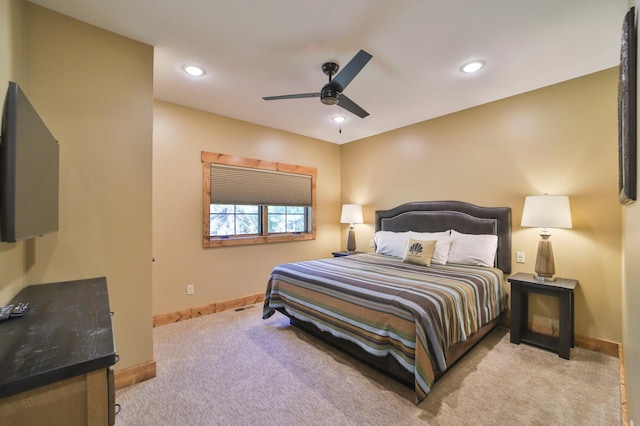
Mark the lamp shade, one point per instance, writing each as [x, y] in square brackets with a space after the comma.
[546, 211]
[351, 213]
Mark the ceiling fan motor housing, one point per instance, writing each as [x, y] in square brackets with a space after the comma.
[329, 95]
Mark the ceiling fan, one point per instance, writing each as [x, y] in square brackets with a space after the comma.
[331, 93]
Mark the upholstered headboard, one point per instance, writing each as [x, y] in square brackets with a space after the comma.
[437, 216]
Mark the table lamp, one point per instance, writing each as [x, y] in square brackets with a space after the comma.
[546, 211]
[351, 214]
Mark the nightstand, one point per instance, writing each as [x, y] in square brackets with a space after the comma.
[563, 288]
[344, 253]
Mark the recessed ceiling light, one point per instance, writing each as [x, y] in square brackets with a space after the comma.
[193, 70]
[338, 118]
[472, 67]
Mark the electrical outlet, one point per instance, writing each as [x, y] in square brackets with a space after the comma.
[190, 289]
[519, 257]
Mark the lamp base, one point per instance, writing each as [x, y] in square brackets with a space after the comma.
[351, 241]
[544, 279]
[545, 266]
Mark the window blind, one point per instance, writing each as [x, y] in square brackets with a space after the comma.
[248, 186]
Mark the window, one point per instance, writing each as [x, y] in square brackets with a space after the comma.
[249, 201]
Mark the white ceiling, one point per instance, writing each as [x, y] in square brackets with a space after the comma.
[256, 48]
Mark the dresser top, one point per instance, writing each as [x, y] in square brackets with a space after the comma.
[65, 332]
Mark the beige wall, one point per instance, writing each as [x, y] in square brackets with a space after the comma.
[225, 273]
[94, 91]
[11, 42]
[631, 307]
[631, 299]
[12, 276]
[560, 139]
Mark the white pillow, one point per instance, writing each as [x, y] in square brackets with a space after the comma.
[426, 236]
[391, 243]
[441, 254]
[443, 244]
[419, 252]
[471, 249]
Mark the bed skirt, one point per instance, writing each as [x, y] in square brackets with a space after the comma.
[388, 365]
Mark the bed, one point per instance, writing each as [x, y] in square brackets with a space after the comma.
[410, 319]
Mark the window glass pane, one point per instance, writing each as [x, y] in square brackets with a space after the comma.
[221, 224]
[277, 223]
[248, 209]
[228, 219]
[296, 223]
[287, 219]
[247, 224]
[277, 219]
[221, 208]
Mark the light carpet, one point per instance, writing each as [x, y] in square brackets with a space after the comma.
[233, 368]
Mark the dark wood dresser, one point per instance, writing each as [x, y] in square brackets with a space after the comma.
[56, 361]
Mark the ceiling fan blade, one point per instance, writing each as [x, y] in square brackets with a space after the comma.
[344, 77]
[298, 96]
[352, 107]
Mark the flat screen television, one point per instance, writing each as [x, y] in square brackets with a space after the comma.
[29, 171]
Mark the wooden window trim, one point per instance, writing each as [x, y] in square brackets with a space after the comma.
[209, 158]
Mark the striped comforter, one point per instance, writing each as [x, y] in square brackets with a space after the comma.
[386, 306]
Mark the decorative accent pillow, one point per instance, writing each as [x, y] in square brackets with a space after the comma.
[441, 254]
[391, 243]
[471, 249]
[419, 252]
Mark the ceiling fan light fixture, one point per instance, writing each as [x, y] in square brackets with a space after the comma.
[329, 100]
[338, 119]
[194, 70]
[472, 67]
